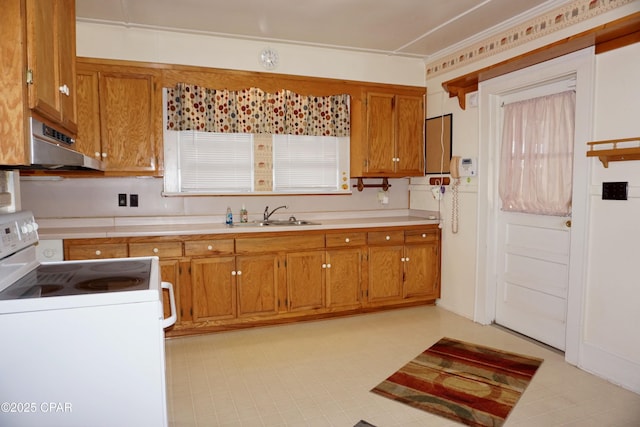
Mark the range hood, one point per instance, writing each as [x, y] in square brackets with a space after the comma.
[51, 149]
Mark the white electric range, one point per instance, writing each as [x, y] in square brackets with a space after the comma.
[81, 342]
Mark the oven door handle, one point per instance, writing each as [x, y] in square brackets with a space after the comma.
[172, 303]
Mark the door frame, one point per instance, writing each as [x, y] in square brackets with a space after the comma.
[582, 64]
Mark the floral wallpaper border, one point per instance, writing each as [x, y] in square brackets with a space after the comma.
[553, 21]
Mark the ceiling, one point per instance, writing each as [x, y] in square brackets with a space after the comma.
[413, 28]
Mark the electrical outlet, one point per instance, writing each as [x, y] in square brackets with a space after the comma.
[122, 199]
[614, 190]
[133, 200]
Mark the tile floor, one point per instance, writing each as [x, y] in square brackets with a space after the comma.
[319, 374]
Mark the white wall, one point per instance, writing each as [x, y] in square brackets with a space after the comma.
[611, 338]
[609, 344]
[98, 197]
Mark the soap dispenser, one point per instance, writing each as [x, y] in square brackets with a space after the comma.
[244, 216]
[229, 218]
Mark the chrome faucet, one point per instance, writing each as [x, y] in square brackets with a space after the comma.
[268, 214]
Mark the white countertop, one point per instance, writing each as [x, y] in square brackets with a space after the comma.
[78, 228]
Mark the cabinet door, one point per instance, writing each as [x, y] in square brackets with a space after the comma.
[380, 134]
[213, 288]
[67, 56]
[127, 121]
[305, 280]
[257, 278]
[169, 273]
[421, 271]
[409, 135]
[88, 139]
[343, 278]
[43, 58]
[385, 273]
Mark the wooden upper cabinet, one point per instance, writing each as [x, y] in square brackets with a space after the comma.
[88, 140]
[51, 51]
[394, 136]
[37, 38]
[380, 134]
[409, 116]
[120, 122]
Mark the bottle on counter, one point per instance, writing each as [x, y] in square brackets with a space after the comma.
[229, 218]
[244, 216]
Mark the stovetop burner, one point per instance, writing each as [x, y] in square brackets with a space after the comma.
[78, 278]
[105, 284]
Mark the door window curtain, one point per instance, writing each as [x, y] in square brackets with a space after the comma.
[537, 155]
[191, 107]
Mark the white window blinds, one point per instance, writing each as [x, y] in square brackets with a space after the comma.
[215, 162]
[305, 163]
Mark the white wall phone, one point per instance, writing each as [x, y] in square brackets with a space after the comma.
[462, 166]
[459, 167]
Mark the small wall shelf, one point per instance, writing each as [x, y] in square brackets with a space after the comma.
[613, 153]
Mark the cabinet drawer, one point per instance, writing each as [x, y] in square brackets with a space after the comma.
[277, 244]
[208, 247]
[346, 239]
[385, 237]
[98, 251]
[159, 249]
[420, 236]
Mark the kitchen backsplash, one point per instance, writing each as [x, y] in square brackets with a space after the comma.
[98, 197]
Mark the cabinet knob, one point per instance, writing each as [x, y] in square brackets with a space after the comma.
[347, 240]
[155, 250]
[328, 265]
[324, 265]
[209, 247]
[104, 155]
[240, 273]
[402, 259]
[407, 259]
[424, 235]
[97, 154]
[98, 252]
[64, 89]
[233, 273]
[387, 238]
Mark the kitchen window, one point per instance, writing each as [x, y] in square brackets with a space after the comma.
[210, 163]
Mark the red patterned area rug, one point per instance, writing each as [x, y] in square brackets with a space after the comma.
[469, 383]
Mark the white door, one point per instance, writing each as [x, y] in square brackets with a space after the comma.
[533, 275]
[532, 263]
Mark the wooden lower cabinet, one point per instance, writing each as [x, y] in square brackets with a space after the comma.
[400, 273]
[305, 280]
[343, 278]
[213, 288]
[228, 281]
[169, 272]
[258, 282]
[385, 274]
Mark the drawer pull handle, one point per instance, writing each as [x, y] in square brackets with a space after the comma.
[209, 247]
[347, 240]
[387, 238]
[155, 250]
[98, 252]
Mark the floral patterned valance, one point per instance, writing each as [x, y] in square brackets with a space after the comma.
[191, 107]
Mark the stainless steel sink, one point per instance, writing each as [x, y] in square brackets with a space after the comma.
[292, 222]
